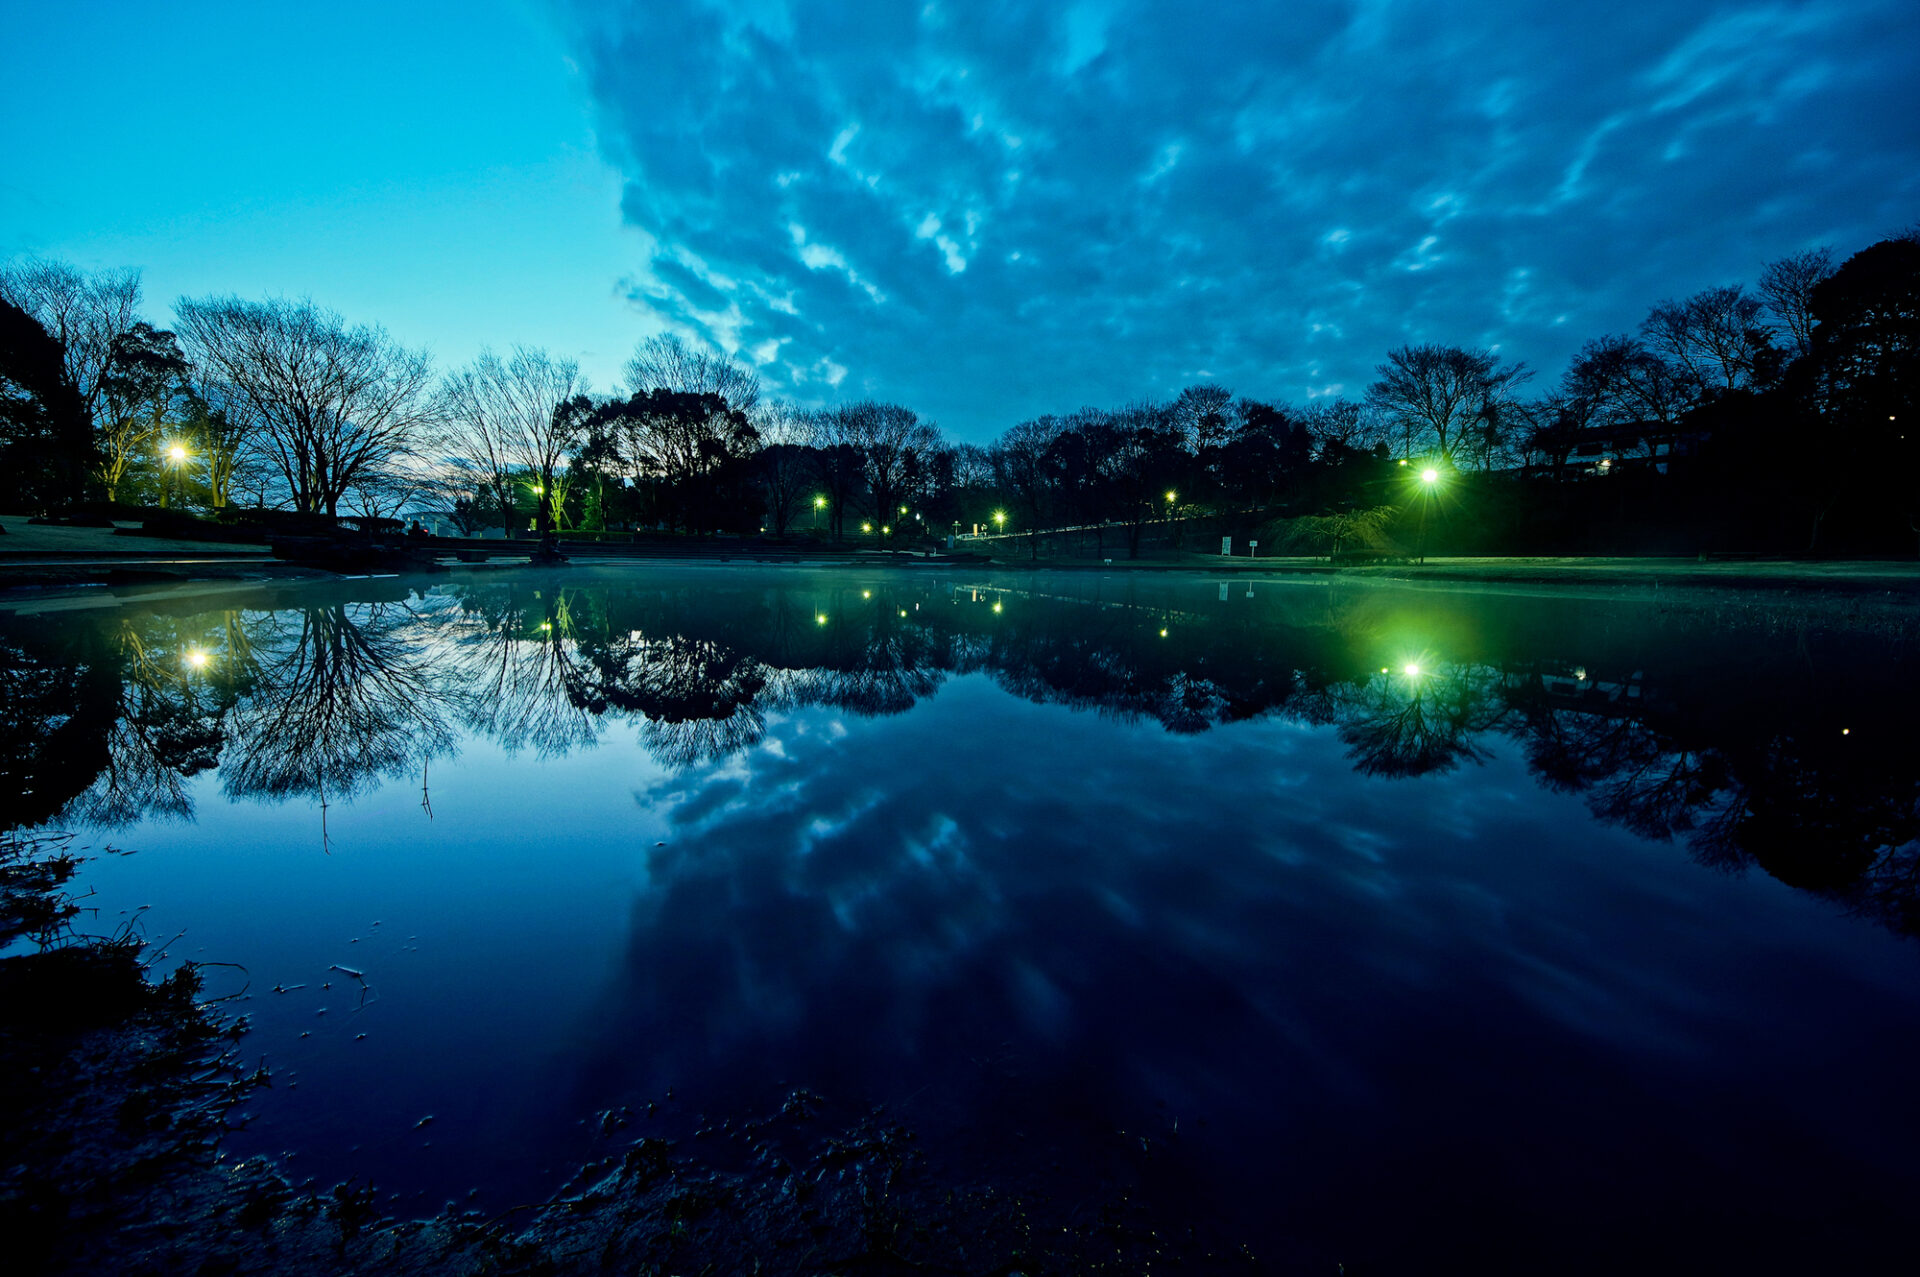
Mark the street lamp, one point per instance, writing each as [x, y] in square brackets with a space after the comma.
[1000, 520]
[176, 457]
[866, 527]
[1429, 476]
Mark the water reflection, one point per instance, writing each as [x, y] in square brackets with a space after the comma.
[1753, 742]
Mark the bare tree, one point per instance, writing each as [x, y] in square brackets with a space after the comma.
[1203, 415]
[1021, 465]
[664, 362]
[786, 469]
[1623, 381]
[1787, 287]
[85, 313]
[1715, 335]
[524, 413]
[891, 442]
[1445, 399]
[336, 406]
[1342, 423]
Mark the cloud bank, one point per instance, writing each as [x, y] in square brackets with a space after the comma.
[991, 211]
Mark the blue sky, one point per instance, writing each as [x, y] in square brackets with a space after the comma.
[983, 211]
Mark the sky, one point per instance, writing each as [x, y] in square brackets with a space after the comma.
[986, 211]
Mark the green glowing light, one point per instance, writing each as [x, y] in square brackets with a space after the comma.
[1429, 475]
[1413, 670]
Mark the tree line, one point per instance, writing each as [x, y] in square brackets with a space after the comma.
[1780, 404]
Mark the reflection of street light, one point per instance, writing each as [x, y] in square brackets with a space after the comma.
[197, 658]
[1000, 520]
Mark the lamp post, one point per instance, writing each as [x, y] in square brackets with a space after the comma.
[1428, 477]
[177, 458]
[1173, 522]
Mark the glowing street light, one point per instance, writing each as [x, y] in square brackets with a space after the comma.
[886, 529]
[177, 456]
[1429, 476]
[996, 607]
[1413, 669]
[197, 658]
[866, 527]
[819, 503]
[1172, 496]
[1000, 520]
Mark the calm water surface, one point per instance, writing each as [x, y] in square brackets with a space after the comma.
[1359, 923]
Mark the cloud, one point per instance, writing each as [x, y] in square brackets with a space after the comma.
[992, 214]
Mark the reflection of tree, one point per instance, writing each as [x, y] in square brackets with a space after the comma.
[169, 724]
[1400, 725]
[521, 676]
[342, 697]
[105, 723]
[58, 702]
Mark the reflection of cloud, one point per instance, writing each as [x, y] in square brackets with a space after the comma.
[1107, 198]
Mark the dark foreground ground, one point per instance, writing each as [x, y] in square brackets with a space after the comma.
[115, 1090]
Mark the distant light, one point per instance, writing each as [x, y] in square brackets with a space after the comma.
[1413, 670]
[866, 527]
[903, 509]
[546, 625]
[1170, 496]
[886, 530]
[996, 607]
[176, 454]
[1385, 670]
[1429, 475]
[537, 489]
[1000, 517]
[821, 619]
[866, 594]
[197, 659]
[1846, 731]
[1163, 633]
[903, 611]
[819, 503]
[1403, 461]
[1580, 674]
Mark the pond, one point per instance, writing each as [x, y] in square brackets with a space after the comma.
[1354, 923]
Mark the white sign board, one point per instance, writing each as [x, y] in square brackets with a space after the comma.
[1226, 547]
